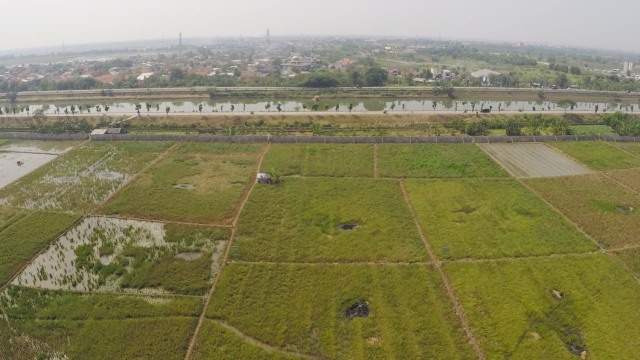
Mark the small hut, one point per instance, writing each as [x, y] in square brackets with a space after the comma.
[264, 178]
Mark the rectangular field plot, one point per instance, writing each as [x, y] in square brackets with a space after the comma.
[215, 341]
[187, 187]
[551, 308]
[533, 160]
[82, 178]
[321, 220]
[23, 234]
[103, 254]
[490, 218]
[436, 161]
[598, 155]
[607, 211]
[341, 312]
[145, 338]
[216, 148]
[38, 147]
[320, 160]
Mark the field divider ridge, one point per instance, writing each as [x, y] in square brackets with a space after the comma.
[475, 344]
[225, 257]
[134, 177]
[376, 168]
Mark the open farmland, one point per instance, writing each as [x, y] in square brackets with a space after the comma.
[327, 220]
[82, 178]
[410, 251]
[552, 308]
[490, 218]
[306, 309]
[436, 161]
[320, 160]
[197, 183]
[599, 155]
[604, 209]
[533, 160]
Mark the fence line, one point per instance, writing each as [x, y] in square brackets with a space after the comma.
[362, 139]
[318, 139]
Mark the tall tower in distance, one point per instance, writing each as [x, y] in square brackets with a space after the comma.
[180, 44]
[268, 40]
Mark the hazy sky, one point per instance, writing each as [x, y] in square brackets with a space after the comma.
[603, 24]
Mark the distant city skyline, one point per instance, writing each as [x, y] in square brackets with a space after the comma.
[43, 23]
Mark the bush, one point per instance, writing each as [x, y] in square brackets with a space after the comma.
[513, 127]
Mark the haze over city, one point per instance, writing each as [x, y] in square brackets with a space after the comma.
[43, 23]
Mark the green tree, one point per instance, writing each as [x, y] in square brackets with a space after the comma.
[167, 109]
[376, 76]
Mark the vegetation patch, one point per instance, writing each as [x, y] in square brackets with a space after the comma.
[216, 148]
[302, 308]
[321, 160]
[23, 235]
[216, 342]
[82, 178]
[631, 258]
[600, 206]
[299, 220]
[436, 161]
[628, 177]
[217, 184]
[489, 219]
[515, 312]
[151, 338]
[598, 155]
[122, 255]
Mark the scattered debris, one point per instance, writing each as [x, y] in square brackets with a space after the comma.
[359, 309]
[184, 186]
[625, 209]
[467, 210]
[557, 294]
[20, 163]
[535, 336]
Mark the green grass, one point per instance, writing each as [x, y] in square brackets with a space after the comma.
[628, 177]
[320, 160]
[219, 184]
[302, 308]
[605, 210]
[490, 218]
[633, 148]
[598, 155]
[83, 177]
[515, 315]
[23, 239]
[592, 130]
[216, 342]
[436, 161]
[298, 220]
[151, 338]
[25, 303]
[216, 148]
[631, 258]
[3, 141]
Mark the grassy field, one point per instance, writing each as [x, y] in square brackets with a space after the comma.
[320, 160]
[185, 186]
[303, 309]
[300, 219]
[516, 315]
[633, 148]
[490, 218]
[436, 161]
[602, 208]
[631, 258]
[216, 342]
[592, 130]
[628, 177]
[23, 235]
[83, 177]
[163, 338]
[598, 155]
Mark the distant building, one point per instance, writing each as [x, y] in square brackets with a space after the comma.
[484, 73]
[144, 76]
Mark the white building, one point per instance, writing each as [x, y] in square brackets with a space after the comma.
[144, 76]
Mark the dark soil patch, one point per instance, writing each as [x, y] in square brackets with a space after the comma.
[346, 227]
[624, 209]
[359, 309]
[575, 349]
